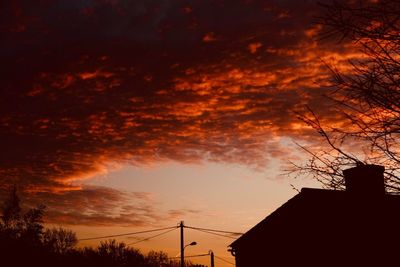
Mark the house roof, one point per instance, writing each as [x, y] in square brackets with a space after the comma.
[326, 206]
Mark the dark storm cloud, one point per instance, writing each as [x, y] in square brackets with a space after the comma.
[86, 83]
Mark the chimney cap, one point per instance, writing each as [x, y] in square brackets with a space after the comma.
[365, 179]
[364, 168]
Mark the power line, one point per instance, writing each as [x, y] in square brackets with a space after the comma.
[126, 234]
[199, 255]
[150, 237]
[213, 230]
[222, 259]
[204, 230]
[191, 256]
[211, 233]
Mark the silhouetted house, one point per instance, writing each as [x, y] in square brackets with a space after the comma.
[356, 227]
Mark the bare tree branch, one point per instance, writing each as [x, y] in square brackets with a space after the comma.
[368, 97]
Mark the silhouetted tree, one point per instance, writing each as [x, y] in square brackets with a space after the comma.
[20, 225]
[32, 225]
[59, 240]
[157, 259]
[11, 210]
[24, 241]
[112, 252]
[368, 96]
[21, 232]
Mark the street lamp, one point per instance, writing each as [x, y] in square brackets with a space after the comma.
[194, 243]
[183, 250]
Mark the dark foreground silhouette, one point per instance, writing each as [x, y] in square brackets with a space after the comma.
[24, 242]
[317, 227]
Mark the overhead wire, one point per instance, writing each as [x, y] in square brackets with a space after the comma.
[191, 256]
[170, 229]
[150, 237]
[212, 233]
[222, 259]
[213, 230]
[127, 234]
[205, 230]
[199, 255]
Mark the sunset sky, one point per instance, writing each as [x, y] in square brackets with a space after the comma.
[128, 115]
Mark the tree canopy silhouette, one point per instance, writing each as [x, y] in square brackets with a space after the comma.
[24, 241]
[59, 240]
[368, 96]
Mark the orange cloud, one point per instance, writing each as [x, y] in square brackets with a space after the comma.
[253, 47]
[136, 83]
[100, 206]
[95, 74]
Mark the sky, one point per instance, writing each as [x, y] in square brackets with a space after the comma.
[127, 115]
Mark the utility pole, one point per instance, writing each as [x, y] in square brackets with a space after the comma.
[212, 258]
[181, 225]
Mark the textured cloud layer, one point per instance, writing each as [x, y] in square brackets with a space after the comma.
[102, 206]
[88, 83]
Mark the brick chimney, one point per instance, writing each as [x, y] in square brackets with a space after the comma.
[365, 180]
